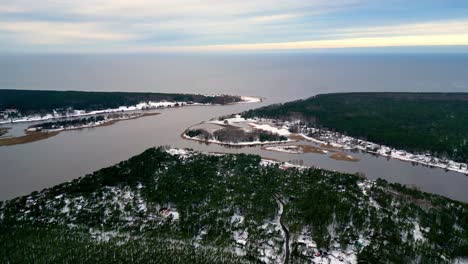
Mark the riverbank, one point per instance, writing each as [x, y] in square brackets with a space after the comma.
[16, 117]
[4, 130]
[337, 142]
[27, 138]
[33, 135]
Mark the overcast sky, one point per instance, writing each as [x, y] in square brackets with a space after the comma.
[230, 25]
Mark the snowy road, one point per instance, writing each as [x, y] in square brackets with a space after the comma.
[284, 228]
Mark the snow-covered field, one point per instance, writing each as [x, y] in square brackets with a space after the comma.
[286, 149]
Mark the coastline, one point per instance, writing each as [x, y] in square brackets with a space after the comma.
[139, 107]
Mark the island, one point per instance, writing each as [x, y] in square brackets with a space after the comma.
[227, 131]
[238, 131]
[179, 206]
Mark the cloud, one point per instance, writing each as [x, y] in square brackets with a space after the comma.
[436, 33]
[171, 9]
[218, 25]
[274, 18]
[48, 33]
[369, 42]
[449, 27]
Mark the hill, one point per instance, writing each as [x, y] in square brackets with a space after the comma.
[179, 206]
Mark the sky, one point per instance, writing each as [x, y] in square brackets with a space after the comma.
[128, 26]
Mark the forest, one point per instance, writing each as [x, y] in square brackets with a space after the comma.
[119, 214]
[435, 123]
[36, 101]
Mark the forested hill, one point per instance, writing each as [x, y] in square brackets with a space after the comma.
[417, 122]
[32, 101]
[178, 206]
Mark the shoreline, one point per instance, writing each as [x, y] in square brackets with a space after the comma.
[299, 149]
[33, 136]
[29, 137]
[143, 106]
[232, 144]
[404, 155]
[331, 142]
[340, 142]
[4, 130]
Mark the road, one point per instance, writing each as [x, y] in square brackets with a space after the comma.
[284, 227]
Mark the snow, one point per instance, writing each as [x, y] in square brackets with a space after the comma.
[137, 107]
[241, 236]
[345, 142]
[180, 152]
[237, 219]
[171, 213]
[249, 143]
[278, 224]
[66, 209]
[283, 165]
[250, 99]
[77, 113]
[334, 257]
[286, 149]
[89, 125]
[417, 234]
[175, 215]
[267, 162]
[280, 131]
[307, 240]
[103, 236]
[233, 120]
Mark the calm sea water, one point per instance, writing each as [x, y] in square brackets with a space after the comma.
[278, 78]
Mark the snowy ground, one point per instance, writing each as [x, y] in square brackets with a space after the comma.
[286, 149]
[283, 131]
